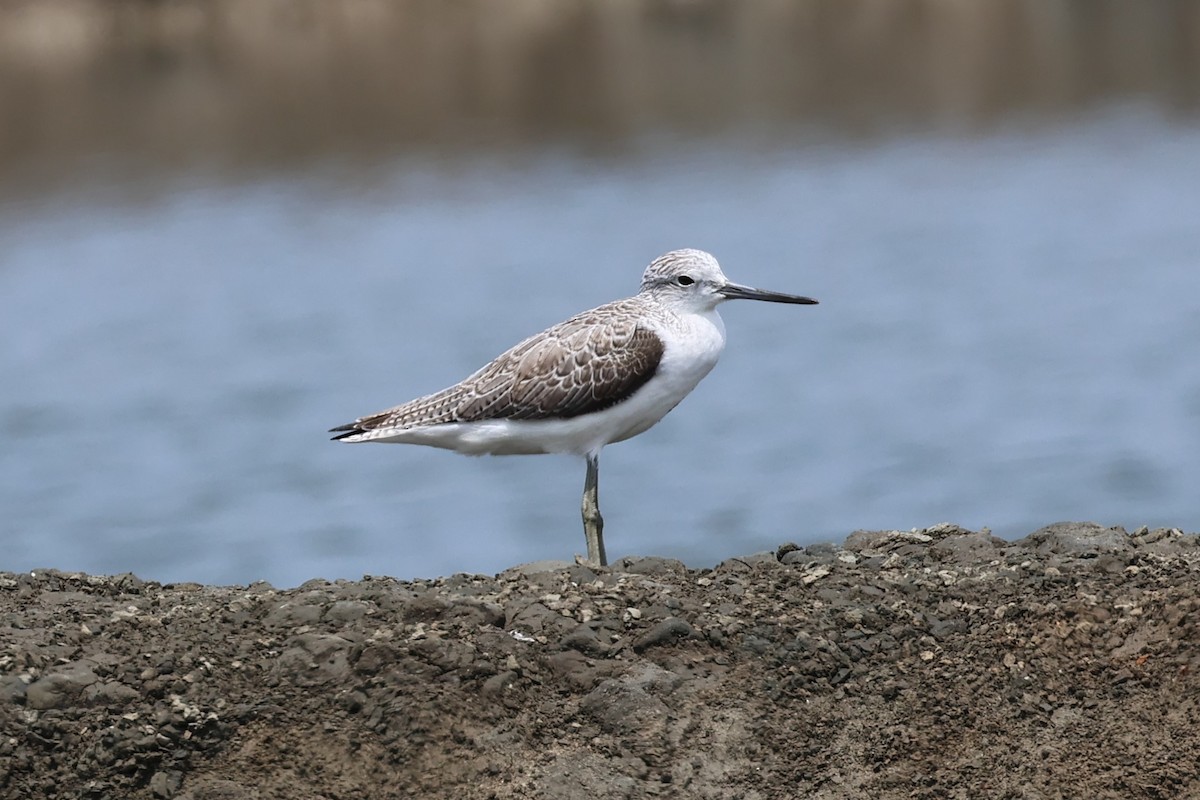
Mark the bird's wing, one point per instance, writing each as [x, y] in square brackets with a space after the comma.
[575, 368]
[586, 364]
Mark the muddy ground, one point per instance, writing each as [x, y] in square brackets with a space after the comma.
[940, 663]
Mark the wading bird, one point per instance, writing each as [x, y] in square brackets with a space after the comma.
[600, 377]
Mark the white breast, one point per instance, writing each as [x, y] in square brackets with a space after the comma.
[693, 343]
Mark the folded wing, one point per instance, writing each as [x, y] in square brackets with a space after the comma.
[586, 364]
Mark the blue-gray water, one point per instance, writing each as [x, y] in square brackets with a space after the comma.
[1008, 335]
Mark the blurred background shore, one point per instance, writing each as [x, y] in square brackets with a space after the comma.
[94, 87]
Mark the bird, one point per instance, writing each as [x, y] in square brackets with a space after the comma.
[600, 377]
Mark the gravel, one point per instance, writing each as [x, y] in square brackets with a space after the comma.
[935, 663]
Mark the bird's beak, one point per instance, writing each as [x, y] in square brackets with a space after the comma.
[735, 292]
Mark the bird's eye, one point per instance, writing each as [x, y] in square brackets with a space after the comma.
[684, 280]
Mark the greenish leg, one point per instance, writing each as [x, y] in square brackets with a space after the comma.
[593, 523]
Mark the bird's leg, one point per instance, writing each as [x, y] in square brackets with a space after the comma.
[593, 523]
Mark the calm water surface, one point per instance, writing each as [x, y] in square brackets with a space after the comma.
[1008, 335]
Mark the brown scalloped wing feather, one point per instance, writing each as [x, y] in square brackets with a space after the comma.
[588, 363]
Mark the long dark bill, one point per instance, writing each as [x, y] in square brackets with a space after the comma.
[735, 292]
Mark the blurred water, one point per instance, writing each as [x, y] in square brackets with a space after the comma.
[1008, 336]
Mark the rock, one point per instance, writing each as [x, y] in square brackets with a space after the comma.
[585, 640]
[535, 619]
[798, 556]
[1077, 539]
[112, 693]
[632, 704]
[473, 613]
[60, 688]
[662, 633]
[967, 547]
[874, 542]
[347, 610]
[746, 563]
[315, 658]
[650, 565]
[1162, 541]
[426, 607]
[500, 683]
[291, 614]
[166, 784]
[943, 530]
[536, 567]
[786, 549]
[375, 657]
[12, 689]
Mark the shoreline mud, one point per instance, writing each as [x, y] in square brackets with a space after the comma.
[935, 663]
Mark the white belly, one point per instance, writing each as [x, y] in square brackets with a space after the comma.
[693, 343]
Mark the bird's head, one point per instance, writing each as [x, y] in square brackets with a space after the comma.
[692, 280]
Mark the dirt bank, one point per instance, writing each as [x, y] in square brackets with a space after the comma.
[931, 664]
